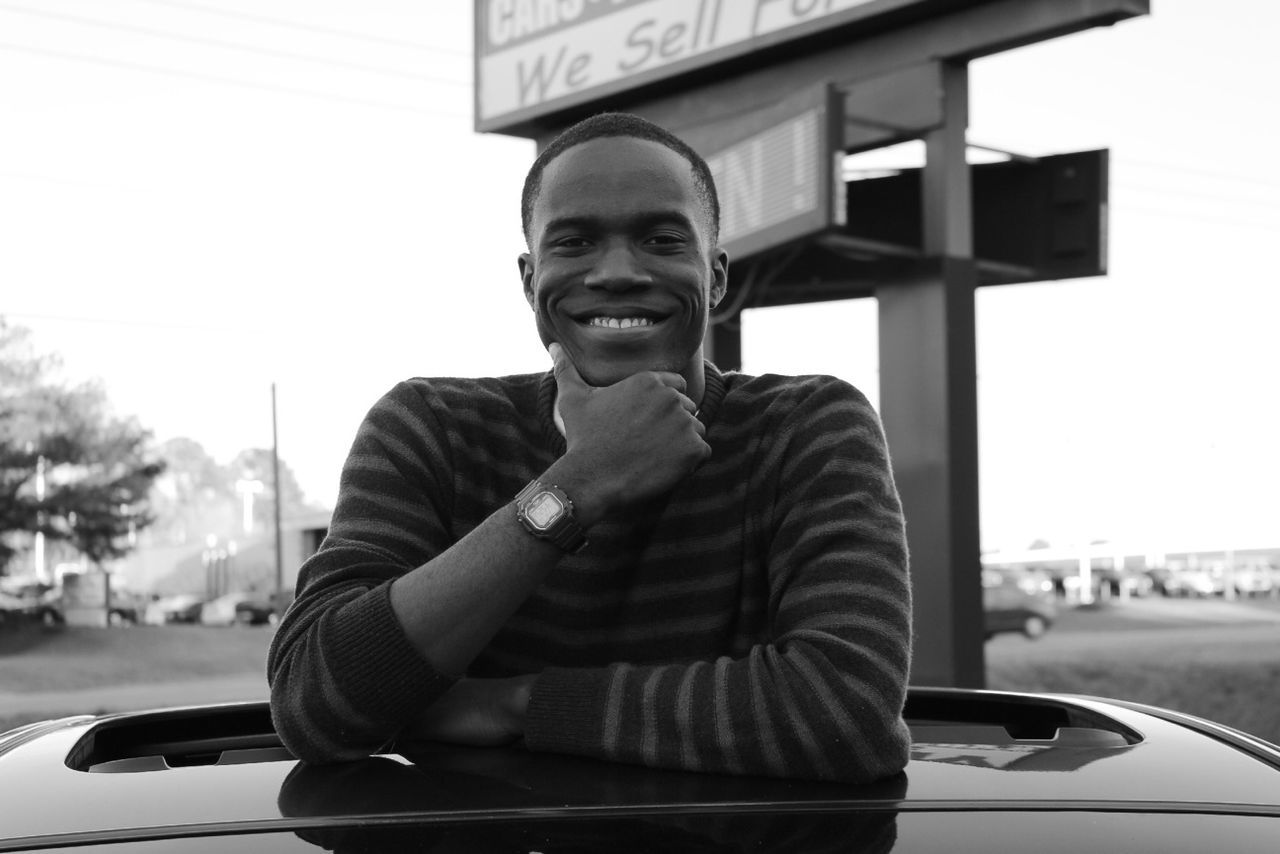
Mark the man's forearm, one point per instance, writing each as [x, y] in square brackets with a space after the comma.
[453, 605]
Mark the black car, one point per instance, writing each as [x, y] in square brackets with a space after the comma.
[1019, 601]
[990, 771]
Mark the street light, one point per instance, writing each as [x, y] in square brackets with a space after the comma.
[248, 488]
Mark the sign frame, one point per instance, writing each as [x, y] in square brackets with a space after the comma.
[814, 22]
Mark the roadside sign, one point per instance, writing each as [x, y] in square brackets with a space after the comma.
[782, 183]
[535, 57]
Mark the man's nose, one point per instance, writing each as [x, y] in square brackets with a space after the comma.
[618, 269]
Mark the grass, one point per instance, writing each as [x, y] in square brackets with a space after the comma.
[1226, 673]
[1242, 695]
[37, 659]
[33, 658]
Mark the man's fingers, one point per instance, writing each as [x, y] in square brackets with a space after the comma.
[672, 379]
[562, 365]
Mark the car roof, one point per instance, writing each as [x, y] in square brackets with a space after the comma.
[219, 769]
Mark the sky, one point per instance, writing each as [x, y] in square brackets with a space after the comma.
[202, 198]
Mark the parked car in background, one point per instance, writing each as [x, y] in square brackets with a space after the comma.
[255, 610]
[1111, 582]
[989, 771]
[182, 608]
[26, 600]
[1254, 580]
[238, 608]
[13, 608]
[1194, 583]
[127, 608]
[1017, 600]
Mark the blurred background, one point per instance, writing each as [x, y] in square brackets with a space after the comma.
[219, 211]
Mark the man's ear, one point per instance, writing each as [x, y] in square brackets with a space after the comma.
[719, 276]
[526, 275]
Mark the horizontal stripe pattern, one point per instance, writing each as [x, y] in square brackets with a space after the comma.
[756, 620]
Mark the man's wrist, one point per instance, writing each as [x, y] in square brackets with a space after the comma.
[546, 511]
[518, 700]
[589, 505]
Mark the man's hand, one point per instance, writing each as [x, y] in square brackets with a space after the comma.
[477, 712]
[628, 442]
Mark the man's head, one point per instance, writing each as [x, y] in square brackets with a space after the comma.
[614, 125]
[623, 266]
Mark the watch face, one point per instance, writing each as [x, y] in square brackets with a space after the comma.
[543, 510]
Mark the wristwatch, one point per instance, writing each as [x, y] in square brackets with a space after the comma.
[547, 513]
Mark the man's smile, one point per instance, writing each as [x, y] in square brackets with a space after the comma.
[621, 322]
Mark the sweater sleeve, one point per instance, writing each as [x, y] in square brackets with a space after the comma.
[823, 697]
[344, 677]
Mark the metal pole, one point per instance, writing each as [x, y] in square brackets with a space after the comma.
[275, 480]
[928, 401]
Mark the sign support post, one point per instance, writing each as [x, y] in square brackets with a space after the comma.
[928, 401]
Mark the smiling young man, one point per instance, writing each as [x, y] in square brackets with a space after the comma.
[633, 556]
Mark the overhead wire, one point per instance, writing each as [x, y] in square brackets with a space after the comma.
[1193, 170]
[1273, 204]
[119, 321]
[1273, 227]
[754, 286]
[304, 27]
[152, 32]
[226, 81]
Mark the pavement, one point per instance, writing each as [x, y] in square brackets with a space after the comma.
[119, 698]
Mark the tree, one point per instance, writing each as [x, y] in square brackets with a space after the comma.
[95, 470]
[193, 497]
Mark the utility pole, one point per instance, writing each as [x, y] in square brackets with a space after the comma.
[275, 479]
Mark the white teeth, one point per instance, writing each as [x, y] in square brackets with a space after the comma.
[620, 322]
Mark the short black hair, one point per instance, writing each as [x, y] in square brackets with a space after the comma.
[620, 124]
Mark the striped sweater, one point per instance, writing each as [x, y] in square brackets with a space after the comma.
[756, 620]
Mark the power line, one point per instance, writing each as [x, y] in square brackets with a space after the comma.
[1219, 197]
[120, 321]
[228, 45]
[71, 182]
[226, 81]
[299, 25]
[1216, 220]
[1192, 170]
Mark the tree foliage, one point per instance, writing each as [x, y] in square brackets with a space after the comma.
[96, 469]
[197, 495]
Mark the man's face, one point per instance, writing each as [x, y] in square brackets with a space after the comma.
[620, 270]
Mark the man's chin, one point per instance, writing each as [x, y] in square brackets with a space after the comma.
[600, 374]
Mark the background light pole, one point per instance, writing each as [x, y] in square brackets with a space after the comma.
[275, 479]
[38, 550]
[248, 488]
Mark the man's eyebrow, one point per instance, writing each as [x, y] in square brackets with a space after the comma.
[571, 222]
[646, 220]
[663, 217]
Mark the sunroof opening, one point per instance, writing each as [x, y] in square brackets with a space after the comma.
[1023, 718]
[179, 738]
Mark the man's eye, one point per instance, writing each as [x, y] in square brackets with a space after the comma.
[569, 243]
[667, 238]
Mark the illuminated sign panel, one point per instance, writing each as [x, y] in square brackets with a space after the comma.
[782, 183]
[537, 56]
